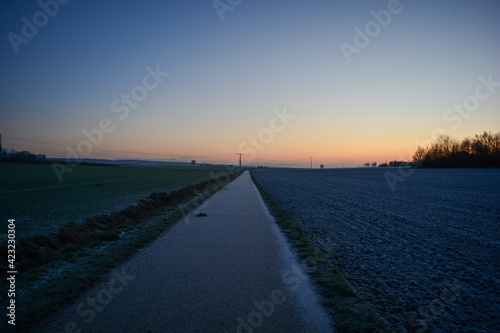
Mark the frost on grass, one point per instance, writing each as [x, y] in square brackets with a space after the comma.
[426, 255]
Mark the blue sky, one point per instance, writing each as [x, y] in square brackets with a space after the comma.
[226, 78]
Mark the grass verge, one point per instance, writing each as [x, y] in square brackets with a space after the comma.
[349, 311]
[57, 268]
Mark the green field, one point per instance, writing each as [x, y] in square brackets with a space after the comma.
[32, 195]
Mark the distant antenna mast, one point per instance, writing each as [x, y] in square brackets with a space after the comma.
[240, 158]
[311, 162]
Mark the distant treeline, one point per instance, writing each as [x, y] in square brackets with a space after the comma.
[23, 156]
[480, 151]
[28, 157]
[394, 164]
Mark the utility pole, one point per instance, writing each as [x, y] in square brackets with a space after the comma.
[311, 162]
[240, 159]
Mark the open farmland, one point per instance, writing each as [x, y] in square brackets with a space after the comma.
[425, 256]
[32, 195]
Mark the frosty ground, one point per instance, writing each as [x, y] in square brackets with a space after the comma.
[424, 253]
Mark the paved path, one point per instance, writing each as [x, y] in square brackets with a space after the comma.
[230, 271]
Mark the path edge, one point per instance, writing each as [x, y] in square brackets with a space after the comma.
[348, 310]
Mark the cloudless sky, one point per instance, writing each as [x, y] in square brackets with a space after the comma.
[227, 76]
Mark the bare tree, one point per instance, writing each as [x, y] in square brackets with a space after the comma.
[496, 144]
[420, 154]
[465, 145]
[480, 144]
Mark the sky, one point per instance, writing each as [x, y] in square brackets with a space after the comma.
[343, 82]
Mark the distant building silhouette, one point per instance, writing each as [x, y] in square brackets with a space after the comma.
[19, 156]
[321, 166]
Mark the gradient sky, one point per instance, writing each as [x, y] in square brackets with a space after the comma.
[227, 76]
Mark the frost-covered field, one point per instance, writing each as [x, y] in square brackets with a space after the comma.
[426, 255]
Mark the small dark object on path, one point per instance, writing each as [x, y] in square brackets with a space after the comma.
[201, 214]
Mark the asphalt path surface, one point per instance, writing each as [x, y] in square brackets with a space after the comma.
[229, 271]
